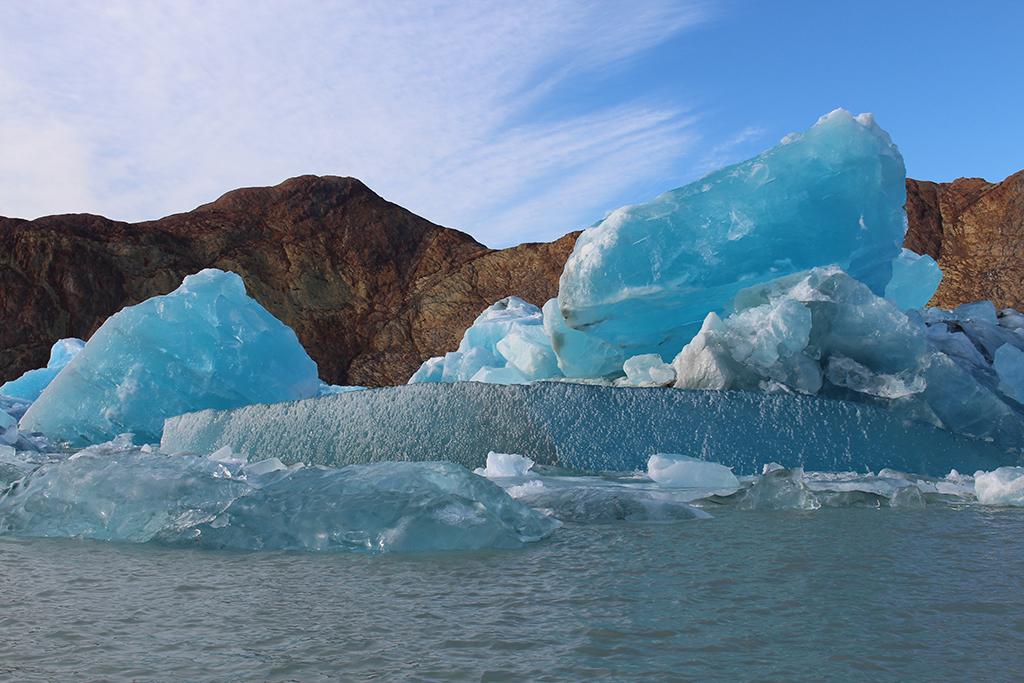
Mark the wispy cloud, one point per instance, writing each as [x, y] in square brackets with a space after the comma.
[138, 109]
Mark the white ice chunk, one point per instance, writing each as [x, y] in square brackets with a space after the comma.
[671, 469]
[505, 465]
[647, 370]
[1003, 486]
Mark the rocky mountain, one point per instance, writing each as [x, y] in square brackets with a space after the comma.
[370, 288]
[975, 230]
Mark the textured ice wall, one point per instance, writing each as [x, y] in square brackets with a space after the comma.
[205, 345]
[643, 279]
[580, 427]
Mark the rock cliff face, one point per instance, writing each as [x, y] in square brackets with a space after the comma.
[975, 230]
[372, 289]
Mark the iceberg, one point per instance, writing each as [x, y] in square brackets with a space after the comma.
[1003, 486]
[31, 384]
[207, 344]
[823, 332]
[506, 344]
[915, 277]
[582, 428]
[117, 492]
[670, 469]
[501, 465]
[642, 280]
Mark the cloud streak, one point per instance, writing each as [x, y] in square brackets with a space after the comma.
[135, 110]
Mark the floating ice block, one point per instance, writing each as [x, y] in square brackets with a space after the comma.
[205, 345]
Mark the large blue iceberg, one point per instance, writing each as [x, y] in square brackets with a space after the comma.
[29, 386]
[117, 492]
[644, 278]
[205, 345]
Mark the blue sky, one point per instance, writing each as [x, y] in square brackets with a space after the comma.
[512, 121]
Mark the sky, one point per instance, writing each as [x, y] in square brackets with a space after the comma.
[512, 121]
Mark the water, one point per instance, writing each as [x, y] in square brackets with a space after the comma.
[832, 594]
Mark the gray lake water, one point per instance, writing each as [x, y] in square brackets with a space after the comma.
[833, 594]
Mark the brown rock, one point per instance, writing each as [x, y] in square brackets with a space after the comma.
[975, 229]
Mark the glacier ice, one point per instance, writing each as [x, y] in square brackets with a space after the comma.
[117, 492]
[671, 469]
[31, 384]
[1003, 486]
[8, 429]
[580, 427]
[823, 332]
[506, 344]
[915, 277]
[500, 465]
[1008, 363]
[782, 489]
[643, 279]
[207, 344]
[593, 500]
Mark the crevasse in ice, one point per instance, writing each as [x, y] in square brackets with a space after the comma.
[118, 492]
[643, 279]
[31, 384]
[506, 344]
[822, 332]
[205, 345]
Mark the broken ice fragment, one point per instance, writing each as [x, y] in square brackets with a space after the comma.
[31, 384]
[915, 277]
[506, 344]
[647, 370]
[505, 465]
[1003, 486]
[671, 469]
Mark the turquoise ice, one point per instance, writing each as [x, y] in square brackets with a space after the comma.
[117, 492]
[644, 278]
[31, 384]
[583, 428]
[205, 345]
[506, 344]
[915, 277]
[823, 332]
